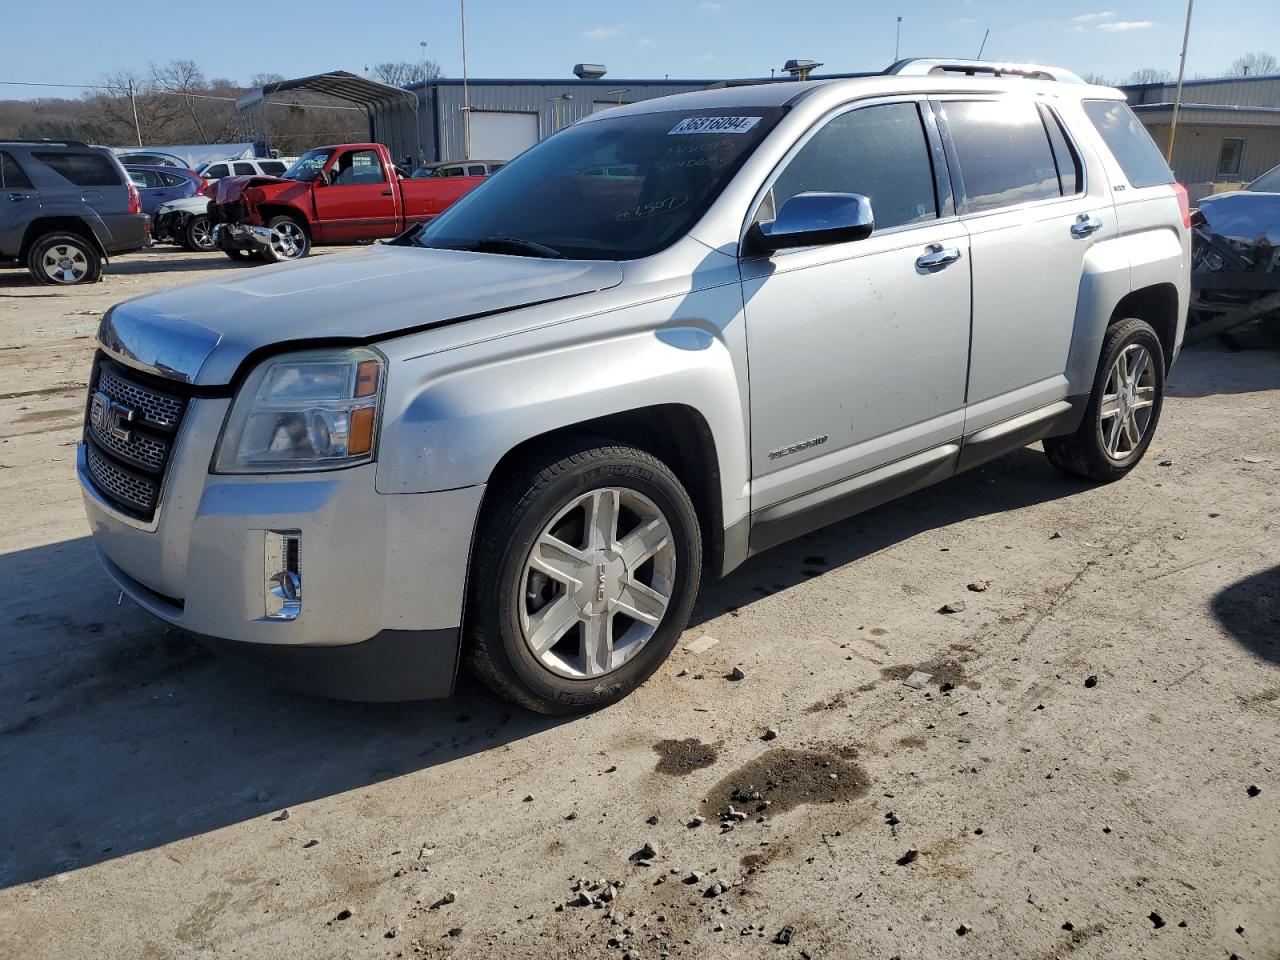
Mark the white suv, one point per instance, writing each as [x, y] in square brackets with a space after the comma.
[517, 436]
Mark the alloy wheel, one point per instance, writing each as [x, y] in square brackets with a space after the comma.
[65, 263]
[597, 583]
[202, 234]
[287, 240]
[1127, 401]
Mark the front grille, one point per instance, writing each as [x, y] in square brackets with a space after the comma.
[130, 428]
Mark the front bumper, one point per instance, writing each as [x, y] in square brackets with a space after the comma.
[383, 576]
[241, 236]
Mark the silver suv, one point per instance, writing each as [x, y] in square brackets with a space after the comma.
[518, 435]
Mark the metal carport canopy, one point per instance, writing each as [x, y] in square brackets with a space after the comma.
[336, 83]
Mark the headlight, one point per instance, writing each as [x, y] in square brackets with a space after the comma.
[305, 411]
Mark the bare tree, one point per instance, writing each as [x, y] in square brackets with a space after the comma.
[405, 71]
[262, 79]
[1149, 75]
[1098, 78]
[1254, 65]
[184, 79]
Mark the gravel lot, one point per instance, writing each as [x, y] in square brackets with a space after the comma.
[143, 782]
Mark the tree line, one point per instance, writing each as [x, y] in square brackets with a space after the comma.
[1248, 65]
[175, 103]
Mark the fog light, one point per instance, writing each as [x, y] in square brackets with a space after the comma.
[283, 574]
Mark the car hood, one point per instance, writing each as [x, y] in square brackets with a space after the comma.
[202, 333]
[230, 189]
[1244, 216]
[196, 204]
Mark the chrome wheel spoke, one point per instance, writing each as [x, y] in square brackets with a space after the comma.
[602, 520]
[597, 644]
[559, 561]
[1110, 405]
[1130, 390]
[1113, 436]
[643, 542]
[641, 602]
[552, 622]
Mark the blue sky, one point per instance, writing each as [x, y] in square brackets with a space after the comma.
[680, 38]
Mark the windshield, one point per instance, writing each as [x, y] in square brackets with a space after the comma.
[1269, 182]
[610, 189]
[308, 166]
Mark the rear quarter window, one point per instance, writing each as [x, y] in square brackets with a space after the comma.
[82, 169]
[12, 176]
[272, 167]
[1129, 142]
[216, 172]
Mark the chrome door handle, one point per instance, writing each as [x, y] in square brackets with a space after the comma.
[1085, 225]
[938, 256]
[17, 197]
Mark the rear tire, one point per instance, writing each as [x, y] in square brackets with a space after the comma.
[1124, 407]
[573, 541]
[64, 259]
[240, 256]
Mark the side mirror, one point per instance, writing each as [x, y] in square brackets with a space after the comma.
[810, 219]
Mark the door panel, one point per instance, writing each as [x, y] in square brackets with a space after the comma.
[360, 203]
[1021, 196]
[857, 345]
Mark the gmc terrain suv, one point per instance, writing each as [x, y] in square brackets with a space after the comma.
[64, 208]
[516, 436]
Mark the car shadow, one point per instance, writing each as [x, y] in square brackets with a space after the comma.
[1020, 479]
[1249, 610]
[119, 734]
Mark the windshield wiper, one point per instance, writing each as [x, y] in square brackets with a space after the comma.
[529, 248]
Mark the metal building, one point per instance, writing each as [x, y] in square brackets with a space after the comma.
[1228, 128]
[507, 116]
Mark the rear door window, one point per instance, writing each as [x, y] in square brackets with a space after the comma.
[82, 169]
[12, 176]
[878, 151]
[244, 169]
[1129, 142]
[1004, 153]
[217, 172]
[272, 167]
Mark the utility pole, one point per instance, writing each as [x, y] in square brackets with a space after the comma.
[1177, 97]
[423, 45]
[984, 43]
[466, 94]
[897, 40]
[133, 102]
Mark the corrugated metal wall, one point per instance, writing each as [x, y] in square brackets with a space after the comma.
[1260, 92]
[1197, 147]
[440, 115]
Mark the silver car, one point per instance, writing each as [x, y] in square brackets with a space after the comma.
[517, 436]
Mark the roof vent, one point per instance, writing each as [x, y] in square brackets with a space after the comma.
[800, 69]
[589, 71]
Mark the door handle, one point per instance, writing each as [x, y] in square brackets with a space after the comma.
[386, 193]
[938, 256]
[1085, 224]
[17, 197]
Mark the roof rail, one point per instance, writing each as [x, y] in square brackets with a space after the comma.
[925, 66]
[45, 141]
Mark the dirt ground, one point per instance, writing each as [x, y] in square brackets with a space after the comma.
[1010, 807]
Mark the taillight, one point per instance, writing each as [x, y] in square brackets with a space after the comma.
[1184, 203]
[204, 188]
[135, 201]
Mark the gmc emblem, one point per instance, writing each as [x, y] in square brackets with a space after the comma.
[110, 418]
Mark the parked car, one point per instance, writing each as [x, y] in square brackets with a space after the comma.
[156, 185]
[217, 169]
[152, 158]
[338, 194]
[184, 222]
[67, 207]
[460, 168]
[538, 418]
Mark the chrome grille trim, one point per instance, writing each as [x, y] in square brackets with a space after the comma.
[140, 449]
[130, 489]
[157, 408]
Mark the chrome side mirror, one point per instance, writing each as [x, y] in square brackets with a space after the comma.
[810, 219]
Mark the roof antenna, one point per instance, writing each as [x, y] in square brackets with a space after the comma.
[984, 43]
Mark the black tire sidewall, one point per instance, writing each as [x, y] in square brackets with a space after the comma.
[35, 258]
[1126, 333]
[563, 694]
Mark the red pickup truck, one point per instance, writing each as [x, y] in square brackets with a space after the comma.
[338, 194]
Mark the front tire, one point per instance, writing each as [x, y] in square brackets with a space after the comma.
[197, 235]
[583, 577]
[289, 240]
[64, 259]
[1124, 407]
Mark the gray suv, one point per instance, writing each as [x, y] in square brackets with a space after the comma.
[516, 437]
[64, 208]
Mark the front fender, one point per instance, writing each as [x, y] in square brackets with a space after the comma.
[450, 417]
